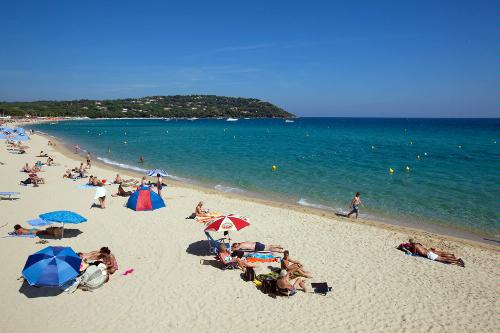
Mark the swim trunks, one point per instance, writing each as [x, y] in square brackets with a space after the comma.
[259, 246]
[431, 255]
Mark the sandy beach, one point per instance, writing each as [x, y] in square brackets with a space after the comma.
[177, 287]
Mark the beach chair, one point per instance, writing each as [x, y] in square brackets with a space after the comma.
[8, 195]
[214, 244]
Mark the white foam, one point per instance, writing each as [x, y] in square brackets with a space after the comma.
[228, 189]
[304, 202]
[121, 165]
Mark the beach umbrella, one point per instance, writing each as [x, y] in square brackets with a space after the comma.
[145, 199]
[227, 223]
[39, 222]
[52, 266]
[154, 172]
[63, 216]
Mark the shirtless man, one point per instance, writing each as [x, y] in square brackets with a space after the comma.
[356, 201]
[284, 286]
[435, 255]
[292, 266]
[256, 246]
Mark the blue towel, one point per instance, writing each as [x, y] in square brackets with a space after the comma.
[86, 186]
[13, 234]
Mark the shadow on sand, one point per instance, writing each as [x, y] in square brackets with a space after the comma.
[199, 248]
[68, 233]
[35, 292]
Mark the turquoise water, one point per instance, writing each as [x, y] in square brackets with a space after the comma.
[321, 161]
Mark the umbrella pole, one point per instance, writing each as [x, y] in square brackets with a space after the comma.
[62, 233]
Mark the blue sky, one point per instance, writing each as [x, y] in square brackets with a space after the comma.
[351, 58]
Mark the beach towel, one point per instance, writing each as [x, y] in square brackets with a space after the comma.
[85, 186]
[260, 257]
[13, 234]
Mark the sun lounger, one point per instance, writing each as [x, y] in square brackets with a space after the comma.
[215, 244]
[8, 194]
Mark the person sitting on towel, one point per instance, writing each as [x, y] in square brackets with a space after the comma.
[121, 192]
[256, 246]
[284, 285]
[292, 266]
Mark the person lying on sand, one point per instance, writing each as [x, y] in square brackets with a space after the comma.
[226, 258]
[432, 254]
[50, 231]
[104, 255]
[292, 266]
[121, 192]
[256, 246]
[42, 154]
[284, 285]
[50, 160]
[26, 168]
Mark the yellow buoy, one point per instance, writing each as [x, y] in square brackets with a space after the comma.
[407, 168]
[274, 168]
[391, 170]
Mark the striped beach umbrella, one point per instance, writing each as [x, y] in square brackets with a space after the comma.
[227, 223]
[154, 172]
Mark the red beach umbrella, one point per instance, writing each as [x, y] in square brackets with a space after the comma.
[227, 223]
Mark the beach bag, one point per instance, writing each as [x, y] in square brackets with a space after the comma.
[268, 286]
[249, 274]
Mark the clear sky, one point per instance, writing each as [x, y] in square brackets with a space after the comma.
[313, 58]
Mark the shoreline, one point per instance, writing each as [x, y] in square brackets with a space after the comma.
[428, 230]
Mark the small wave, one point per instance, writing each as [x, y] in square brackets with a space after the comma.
[228, 189]
[121, 165]
[304, 202]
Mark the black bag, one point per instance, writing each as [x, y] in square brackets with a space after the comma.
[249, 274]
[269, 286]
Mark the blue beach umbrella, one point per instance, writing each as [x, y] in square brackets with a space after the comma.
[154, 172]
[39, 222]
[63, 216]
[52, 266]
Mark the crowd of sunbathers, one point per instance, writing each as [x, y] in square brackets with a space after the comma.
[33, 178]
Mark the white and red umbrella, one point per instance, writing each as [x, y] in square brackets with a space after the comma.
[227, 223]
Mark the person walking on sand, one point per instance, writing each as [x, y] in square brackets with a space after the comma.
[88, 160]
[356, 201]
[159, 183]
